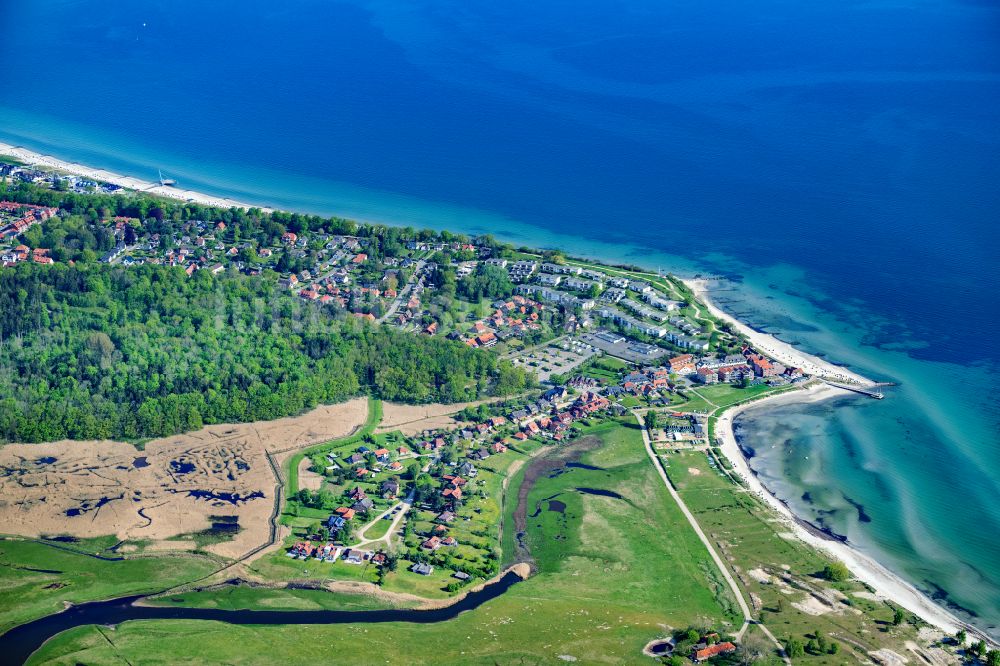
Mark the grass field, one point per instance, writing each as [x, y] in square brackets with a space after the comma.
[36, 578]
[603, 368]
[613, 574]
[240, 597]
[796, 601]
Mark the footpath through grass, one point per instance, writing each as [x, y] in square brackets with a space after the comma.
[782, 573]
[614, 569]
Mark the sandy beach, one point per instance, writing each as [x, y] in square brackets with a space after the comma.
[47, 162]
[886, 583]
[775, 348]
[864, 568]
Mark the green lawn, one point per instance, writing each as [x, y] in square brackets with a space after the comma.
[379, 529]
[713, 398]
[35, 578]
[724, 395]
[694, 403]
[613, 573]
[602, 368]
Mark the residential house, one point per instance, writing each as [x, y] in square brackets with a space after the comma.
[710, 651]
[555, 393]
[620, 282]
[345, 512]
[661, 303]
[549, 280]
[390, 488]
[354, 556]
[763, 367]
[707, 376]
[640, 287]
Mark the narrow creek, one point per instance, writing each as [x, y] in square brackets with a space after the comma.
[22, 641]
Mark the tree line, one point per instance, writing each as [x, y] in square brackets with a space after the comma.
[96, 351]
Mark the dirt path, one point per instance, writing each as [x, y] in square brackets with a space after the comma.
[514, 468]
[744, 606]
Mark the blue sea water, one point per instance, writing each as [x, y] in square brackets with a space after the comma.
[839, 162]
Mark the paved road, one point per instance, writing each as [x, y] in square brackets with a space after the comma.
[744, 607]
[404, 506]
[404, 294]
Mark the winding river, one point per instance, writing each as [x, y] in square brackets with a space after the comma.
[20, 642]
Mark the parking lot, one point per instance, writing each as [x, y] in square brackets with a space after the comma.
[560, 357]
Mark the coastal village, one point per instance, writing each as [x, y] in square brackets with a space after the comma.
[606, 344]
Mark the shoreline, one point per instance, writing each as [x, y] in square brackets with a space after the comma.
[864, 568]
[35, 159]
[778, 349]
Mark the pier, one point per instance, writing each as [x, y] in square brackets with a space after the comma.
[878, 395]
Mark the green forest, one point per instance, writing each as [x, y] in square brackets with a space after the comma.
[96, 351]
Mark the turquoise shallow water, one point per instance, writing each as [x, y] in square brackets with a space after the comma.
[908, 479]
[838, 162]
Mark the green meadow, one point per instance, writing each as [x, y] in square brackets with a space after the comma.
[613, 574]
[239, 597]
[37, 577]
[781, 572]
